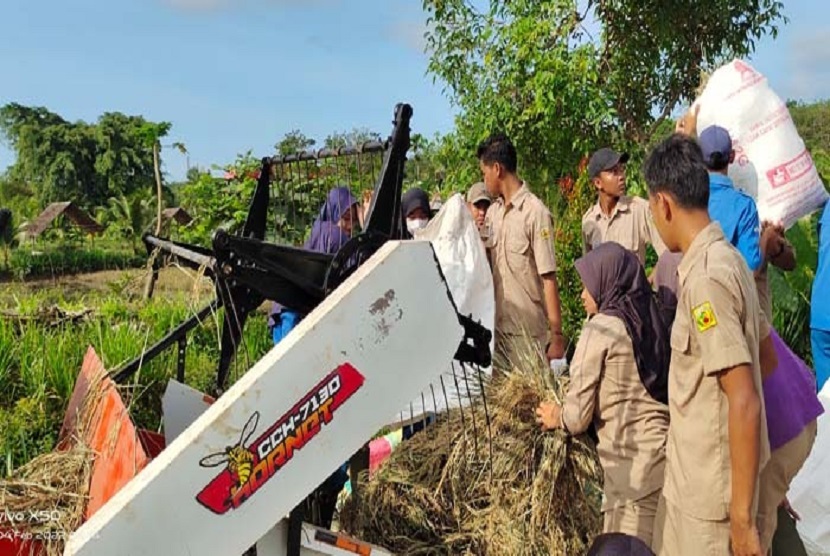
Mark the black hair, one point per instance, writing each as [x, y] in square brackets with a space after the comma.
[676, 166]
[718, 162]
[498, 148]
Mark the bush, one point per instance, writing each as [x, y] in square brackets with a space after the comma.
[70, 259]
[574, 198]
[790, 291]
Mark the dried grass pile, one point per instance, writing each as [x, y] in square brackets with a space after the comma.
[440, 492]
[45, 499]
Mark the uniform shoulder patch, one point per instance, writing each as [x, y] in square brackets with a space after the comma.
[704, 317]
[545, 233]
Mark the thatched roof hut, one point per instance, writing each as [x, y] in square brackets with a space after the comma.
[181, 216]
[75, 214]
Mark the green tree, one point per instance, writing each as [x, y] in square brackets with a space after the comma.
[88, 163]
[813, 123]
[218, 203]
[353, 138]
[294, 141]
[534, 69]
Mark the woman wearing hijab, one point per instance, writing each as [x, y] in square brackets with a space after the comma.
[415, 209]
[619, 381]
[331, 230]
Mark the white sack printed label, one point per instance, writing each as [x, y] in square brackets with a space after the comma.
[771, 162]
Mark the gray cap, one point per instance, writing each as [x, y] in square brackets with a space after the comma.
[605, 159]
[478, 192]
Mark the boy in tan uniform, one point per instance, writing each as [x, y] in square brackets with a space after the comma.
[717, 441]
[522, 255]
[615, 216]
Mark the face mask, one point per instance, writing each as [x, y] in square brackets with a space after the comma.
[415, 224]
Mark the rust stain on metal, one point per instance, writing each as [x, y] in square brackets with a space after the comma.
[382, 303]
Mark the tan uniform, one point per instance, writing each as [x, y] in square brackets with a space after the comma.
[521, 252]
[784, 464]
[630, 224]
[718, 326]
[632, 426]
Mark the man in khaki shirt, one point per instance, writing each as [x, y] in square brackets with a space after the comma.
[717, 441]
[522, 255]
[615, 216]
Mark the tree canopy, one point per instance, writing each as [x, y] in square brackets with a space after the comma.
[87, 163]
[563, 76]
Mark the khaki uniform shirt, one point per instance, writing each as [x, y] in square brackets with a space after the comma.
[718, 326]
[521, 249]
[605, 387]
[630, 224]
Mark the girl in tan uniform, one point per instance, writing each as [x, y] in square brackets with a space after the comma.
[619, 378]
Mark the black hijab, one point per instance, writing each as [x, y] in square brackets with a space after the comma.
[413, 199]
[618, 284]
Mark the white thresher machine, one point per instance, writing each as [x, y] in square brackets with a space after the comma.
[381, 327]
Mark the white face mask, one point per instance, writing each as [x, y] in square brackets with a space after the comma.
[415, 224]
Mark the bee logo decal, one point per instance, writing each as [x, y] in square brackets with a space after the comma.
[240, 460]
[254, 461]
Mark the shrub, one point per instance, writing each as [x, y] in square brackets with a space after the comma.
[70, 259]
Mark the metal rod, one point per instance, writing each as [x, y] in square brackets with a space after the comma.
[472, 410]
[368, 147]
[460, 406]
[184, 253]
[447, 401]
[486, 417]
[424, 408]
[181, 359]
[128, 369]
[434, 402]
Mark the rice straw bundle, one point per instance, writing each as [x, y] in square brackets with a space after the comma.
[45, 499]
[441, 493]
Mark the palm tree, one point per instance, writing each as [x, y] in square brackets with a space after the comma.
[133, 216]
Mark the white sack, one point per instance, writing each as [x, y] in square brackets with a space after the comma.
[463, 261]
[809, 492]
[771, 162]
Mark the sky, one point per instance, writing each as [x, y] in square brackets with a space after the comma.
[236, 75]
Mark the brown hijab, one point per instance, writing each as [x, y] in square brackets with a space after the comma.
[618, 284]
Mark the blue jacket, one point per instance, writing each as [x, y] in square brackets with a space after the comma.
[820, 303]
[737, 214]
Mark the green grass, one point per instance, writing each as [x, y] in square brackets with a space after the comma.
[39, 364]
[56, 260]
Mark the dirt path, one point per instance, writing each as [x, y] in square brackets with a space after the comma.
[127, 282]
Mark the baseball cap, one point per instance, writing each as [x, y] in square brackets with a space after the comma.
[605, 159]
[715, 140]
[478, 192]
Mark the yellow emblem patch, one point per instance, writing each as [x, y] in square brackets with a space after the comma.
[545, 233]
[704, 317]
